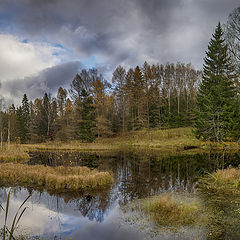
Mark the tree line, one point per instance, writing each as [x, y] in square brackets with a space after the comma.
[149, 96]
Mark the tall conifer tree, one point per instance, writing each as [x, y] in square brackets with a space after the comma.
[87, 124]
[217, 107]
[23, 120]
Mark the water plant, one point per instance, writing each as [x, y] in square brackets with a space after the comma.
[225, 181]
[7, 233]
[220, 192]
[169, 210]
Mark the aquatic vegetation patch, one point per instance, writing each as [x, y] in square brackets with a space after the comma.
[57, 179]
[220, 192]
[225, 181]
[169, 210]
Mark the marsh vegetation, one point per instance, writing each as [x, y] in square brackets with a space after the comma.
[58, 179]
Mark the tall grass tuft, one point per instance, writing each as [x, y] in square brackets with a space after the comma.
[225, 181]
[167, 210]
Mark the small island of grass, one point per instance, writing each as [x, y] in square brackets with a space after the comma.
[53, 179]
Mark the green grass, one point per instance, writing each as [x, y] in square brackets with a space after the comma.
[53, 179]
[175, 139]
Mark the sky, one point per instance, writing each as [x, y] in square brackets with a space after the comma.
[44, 43]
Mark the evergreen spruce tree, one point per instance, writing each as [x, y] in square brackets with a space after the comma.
[23, 120]
[217, 107]
[87, 124]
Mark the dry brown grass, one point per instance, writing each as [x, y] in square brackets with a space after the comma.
[15, 153]
[169, 210]
[57, 179]
[230, 174]
[225, 181]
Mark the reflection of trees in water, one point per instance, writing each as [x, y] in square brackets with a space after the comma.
[92, 205]
[65, 158]
[140, 175]
[137, 174]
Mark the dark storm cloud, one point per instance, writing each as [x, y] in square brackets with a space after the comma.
[35, 86]
[124, 32]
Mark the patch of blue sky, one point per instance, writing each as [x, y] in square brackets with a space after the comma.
[6, 22]
[25, 40]
[89, 62]
[6, 27]
[58, 45]
[62, 53]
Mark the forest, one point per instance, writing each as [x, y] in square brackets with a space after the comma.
[145, 97]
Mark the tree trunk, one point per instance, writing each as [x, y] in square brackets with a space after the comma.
[178, 103]
[169, 101]
[9, 133]
[1, 140]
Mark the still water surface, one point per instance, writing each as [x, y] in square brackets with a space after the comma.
[99, 215]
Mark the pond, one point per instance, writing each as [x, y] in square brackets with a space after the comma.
[99, 214]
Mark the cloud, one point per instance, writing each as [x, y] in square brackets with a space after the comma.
[126, 32]
[123, 31]
[19, 58]
[47, 80]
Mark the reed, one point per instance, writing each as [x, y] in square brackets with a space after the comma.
[6, 232]
[53, 179]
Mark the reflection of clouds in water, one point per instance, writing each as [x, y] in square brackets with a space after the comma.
[40, 220]
[49, 215]
[35, 219]
[97, 231]
[110, 229]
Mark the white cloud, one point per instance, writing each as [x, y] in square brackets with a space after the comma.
[19, 59]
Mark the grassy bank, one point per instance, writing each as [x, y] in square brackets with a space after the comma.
[177, 139]
[58, 179]
[172, 210]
